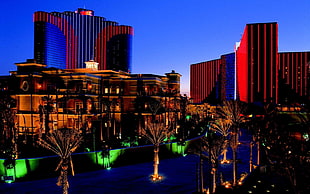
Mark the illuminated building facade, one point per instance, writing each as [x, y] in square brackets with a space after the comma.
[66, 40]
[256, 72]
[213, 80]
[227, 78]
[294, 74]
[257, 63]
[115, 103]
[203, 79]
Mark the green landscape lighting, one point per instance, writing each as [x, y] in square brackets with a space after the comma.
[2, 169]
[9, 181]
[178, 148]
[114, 154]
[9, 178]
[106, 161]
[21, 169]
[306, 136]
[24, 166]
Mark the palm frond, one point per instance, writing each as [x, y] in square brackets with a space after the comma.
[156, 132]
[222, 126]
[62, 142]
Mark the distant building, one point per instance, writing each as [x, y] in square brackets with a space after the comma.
[66, 40]
[203, 79]
[113, 103]
[294, 71]
[256, 72]
[213, 80]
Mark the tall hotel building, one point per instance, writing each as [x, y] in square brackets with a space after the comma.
[257, 63]
[67, 40]
[256, 72]
[203, 78]
[213, 79]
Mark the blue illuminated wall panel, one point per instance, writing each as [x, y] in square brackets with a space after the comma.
[55, 47]
[230, 76]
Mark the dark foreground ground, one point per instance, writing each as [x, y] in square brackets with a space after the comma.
[180, 176]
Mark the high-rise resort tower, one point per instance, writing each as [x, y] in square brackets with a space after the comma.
[69, 39]
[257, 63]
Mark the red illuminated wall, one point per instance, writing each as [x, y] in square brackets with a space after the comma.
[294, 67]
[203, 79]
[104, 37]
[99, 42]
[259, 67]
[257, 63]
[242, 67]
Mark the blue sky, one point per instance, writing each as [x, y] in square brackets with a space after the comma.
[169, 34]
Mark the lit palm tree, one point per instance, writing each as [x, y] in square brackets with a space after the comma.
[222, 127]
[8, 131]
[156, 133]
[213, 145]
[63, 143]
[260, 127]
[208, 147]
[233, 112]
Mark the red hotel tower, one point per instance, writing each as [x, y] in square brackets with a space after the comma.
[257, 63]
[256, 72]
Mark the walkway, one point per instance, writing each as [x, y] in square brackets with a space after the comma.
[179, 177]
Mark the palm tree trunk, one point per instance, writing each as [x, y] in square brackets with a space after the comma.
[225, 155]
[65, 183]
[63, 179]
[258, 153]
[201, 173]
[234, 167]
[156, 161]
[251, 156]
[213, 171]
[234, 149]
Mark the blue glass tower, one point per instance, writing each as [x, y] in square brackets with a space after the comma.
[68, 39]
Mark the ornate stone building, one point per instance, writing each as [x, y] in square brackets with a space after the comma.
[110, 104]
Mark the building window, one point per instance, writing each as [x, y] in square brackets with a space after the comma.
[89, 86]
[78, 107]
[117, 107]
[79, 87]
[25, 86]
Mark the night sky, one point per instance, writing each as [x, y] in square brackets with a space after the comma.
[169, 34]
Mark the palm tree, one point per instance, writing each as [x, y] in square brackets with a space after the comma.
[154, 106]
[197, 149]
[209, 147]
[8, 132]
[63, 142]
[233, 112]
[222, 127]
[156, 133]
[213, 145]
